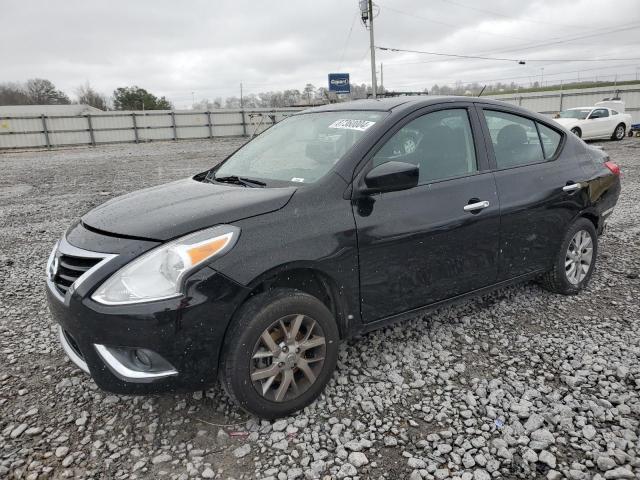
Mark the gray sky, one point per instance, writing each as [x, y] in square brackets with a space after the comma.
[208, 47]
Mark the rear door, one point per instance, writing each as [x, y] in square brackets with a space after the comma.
[436, 240]
[537, 186]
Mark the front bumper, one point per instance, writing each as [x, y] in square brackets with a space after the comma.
[187, 332]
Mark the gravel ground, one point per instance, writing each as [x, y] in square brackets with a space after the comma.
[517, 384]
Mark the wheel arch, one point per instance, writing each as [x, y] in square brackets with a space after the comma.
[593, 218]
[305, 277]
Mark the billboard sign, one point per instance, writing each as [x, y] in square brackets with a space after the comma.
[339, 83]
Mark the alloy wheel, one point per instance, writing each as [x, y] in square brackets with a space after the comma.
[619, 132]
[579, 257]
[288, 357]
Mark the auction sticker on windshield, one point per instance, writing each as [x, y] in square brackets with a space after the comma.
[360, 125]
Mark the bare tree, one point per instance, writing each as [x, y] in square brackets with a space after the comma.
[88, 96]
[309, 92]
[42, 92]
[13, 94]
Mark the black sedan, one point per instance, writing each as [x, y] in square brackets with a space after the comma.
[334, 222]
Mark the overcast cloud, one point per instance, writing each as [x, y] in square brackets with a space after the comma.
[208, 47]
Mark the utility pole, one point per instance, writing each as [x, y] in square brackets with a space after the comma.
[241, 98]
[381, 74]
[542, 76]
[366, 14]
[374, 86]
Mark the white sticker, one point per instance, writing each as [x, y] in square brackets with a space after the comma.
[296, 179]
[345, 124]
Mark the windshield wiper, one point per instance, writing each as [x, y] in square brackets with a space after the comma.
[247, 182]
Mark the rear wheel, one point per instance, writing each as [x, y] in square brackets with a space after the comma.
[575, 261]
[280, 353]
[619, 132]
[576, 131]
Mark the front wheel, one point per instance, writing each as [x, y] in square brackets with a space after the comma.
[279, 353]
[618, 133]
[575, 260]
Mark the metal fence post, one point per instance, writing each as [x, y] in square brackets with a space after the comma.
[173, 124]
[135, 126]
[210, 124]
[45, 130]
[244, 125]
[91, 136]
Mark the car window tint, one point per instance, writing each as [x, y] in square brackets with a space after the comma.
[613, 112]
[515, 139]
[600, 113]
[440, 143]
[550, 140]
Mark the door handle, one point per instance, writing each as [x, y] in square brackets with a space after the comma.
[572, 187]
[472, 207]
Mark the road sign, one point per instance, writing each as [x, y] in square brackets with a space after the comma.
[339, 83]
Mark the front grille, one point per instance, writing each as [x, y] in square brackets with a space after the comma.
[69, 269]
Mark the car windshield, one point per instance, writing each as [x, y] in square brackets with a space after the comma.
[300, 149]
[579, 113]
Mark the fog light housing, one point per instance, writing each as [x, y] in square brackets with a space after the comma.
[139, 365]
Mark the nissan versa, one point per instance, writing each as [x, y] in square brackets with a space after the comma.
[336, 221]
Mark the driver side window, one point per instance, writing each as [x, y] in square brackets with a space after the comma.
[599, 113]
[439, 143]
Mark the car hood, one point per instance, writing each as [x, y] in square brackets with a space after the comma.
[174, 209]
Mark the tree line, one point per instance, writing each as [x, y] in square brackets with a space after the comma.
[40, 91]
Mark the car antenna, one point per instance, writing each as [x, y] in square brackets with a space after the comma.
[480, 94]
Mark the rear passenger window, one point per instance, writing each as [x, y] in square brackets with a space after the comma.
[515, 139]
[440, 143]
[550, 140]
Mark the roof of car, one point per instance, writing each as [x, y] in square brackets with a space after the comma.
[388, 104]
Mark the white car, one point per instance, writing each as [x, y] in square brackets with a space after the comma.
[604, 120]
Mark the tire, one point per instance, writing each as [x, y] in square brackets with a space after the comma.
[561, 278]
[577, 132]
[619, 133]
[248, 360]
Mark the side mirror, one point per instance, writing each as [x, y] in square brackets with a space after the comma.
[391, 177]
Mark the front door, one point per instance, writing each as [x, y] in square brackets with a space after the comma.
[599, 123]
[436, 240]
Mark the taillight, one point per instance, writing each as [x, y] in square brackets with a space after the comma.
[615, 169]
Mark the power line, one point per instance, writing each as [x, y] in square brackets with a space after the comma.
[451, 25]
[346, 43]
[520, 19]
[581, 37]
[521, 61]
[389, 49]
[558, 40]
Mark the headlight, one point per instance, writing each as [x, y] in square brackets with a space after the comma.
[158, 274]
